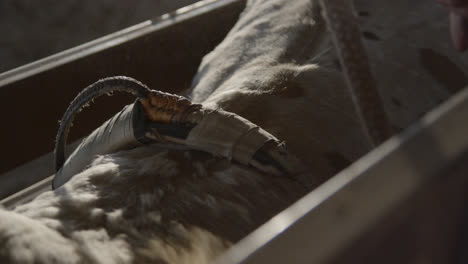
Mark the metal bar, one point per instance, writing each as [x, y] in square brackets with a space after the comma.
[112, 40]
[324, 222]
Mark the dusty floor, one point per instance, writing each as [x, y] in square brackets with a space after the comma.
[32, 30]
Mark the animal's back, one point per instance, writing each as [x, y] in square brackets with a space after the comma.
[276, 68]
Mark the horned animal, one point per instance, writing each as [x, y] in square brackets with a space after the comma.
[173, 203]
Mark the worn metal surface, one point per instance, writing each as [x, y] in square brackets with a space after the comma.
[428, 227]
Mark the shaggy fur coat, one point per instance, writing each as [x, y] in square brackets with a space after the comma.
[277, 68]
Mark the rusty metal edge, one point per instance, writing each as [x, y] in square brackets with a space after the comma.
[324, 222]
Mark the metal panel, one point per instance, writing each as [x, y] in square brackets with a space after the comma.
[320, 226]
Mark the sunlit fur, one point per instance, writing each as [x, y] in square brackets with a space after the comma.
[144, 205]
[277, 68]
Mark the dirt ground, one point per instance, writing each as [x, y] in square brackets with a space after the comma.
[32, 30]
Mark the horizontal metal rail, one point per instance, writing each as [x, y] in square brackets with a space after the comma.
[323, 223]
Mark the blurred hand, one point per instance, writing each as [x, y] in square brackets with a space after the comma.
[458, 22]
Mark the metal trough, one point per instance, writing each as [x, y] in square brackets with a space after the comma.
[404, 202]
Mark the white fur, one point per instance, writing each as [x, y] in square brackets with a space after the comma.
[145, 205]
[276, 68]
